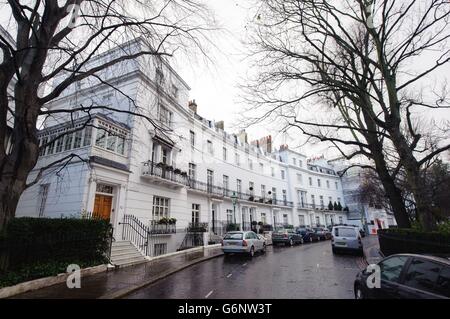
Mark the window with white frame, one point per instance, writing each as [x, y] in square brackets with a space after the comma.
[261, 167]
[239, 187]
[226, 185]
[237, 159]
[225, 154]
[165, 116]
[192, 171]
[263, 191]
[192, 138]
[300, 163]
[294, 160]
[285, 219]
[310, 181]
[317, 220]
[100, 139]
[301, 220]
[336, 185]
[283, 174]
[195, 213]
[300, 178]
[341, 221]
[321, 202]
[313, 201]
[251, 188]
[110, 138]
[160, 207]
[229, 216]
[250, 164]
[318, 182]
[284, 196]
[263, 218]
[328, 184]
[209, 147]
[272, 170]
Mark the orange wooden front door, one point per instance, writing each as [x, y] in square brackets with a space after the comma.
[102, 206]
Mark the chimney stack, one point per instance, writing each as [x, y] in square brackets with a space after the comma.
[220, 125]
[193, 106]
[265, 143]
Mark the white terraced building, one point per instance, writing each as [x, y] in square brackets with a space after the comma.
[190, 169]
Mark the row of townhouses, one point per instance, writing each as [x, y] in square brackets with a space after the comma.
[170, 169]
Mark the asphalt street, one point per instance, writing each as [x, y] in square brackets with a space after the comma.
[304, 271]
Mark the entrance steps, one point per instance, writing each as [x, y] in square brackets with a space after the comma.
[124, 253]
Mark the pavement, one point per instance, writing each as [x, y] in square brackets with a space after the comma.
[308, 271]
[120, 282]
[371, 248]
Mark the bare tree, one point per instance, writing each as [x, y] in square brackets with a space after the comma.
[47, 46]
[358, 74]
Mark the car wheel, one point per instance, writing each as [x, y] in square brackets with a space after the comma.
[359, 294]
[334, 250]
[291, 242]
[252, 251]
[264, 249]
[301, 241]
[310, 239]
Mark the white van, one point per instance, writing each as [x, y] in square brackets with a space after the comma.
[346, 238]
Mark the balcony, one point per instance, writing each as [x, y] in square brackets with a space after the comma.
[163, 174]
[164, 226]
[197, 228]
[207, 188]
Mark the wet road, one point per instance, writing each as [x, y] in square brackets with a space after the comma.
[305, 271]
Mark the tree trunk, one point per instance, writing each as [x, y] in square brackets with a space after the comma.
[415, 181]
[392, 192]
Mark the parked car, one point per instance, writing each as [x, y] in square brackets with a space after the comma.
[346, 238]
[246, 242]
[323, 233]
[286, 236]
[407, 276]
[307, 234]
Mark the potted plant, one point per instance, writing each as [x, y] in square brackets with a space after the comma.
[261, 224]
[172, 221]
[330, 205]
[163, 221]
[254, 223]
[339, 206]
[177, 171]
[335, 206]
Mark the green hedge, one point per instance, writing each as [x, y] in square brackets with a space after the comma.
[37, 247]
[400, 240]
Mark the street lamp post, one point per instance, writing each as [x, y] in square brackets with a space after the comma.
[234, 199]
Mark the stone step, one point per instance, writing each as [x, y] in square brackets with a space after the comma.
[130, 261]
[126, 254]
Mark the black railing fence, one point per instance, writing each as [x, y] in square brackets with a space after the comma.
[165, 171]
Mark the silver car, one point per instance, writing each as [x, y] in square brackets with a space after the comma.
[346, 238]
[246, 242]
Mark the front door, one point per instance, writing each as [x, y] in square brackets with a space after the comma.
[102, 206]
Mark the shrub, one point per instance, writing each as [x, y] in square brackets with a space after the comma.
[32, 241]
[401, 240]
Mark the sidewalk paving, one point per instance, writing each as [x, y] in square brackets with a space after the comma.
[371, 249]
[120, 282]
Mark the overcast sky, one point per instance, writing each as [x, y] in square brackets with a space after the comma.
[216, 87]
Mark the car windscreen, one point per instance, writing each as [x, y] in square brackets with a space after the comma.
[233, 236]
[281, 231]
[344, 232]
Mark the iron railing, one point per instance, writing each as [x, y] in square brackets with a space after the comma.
[165, 171]
[197, 228]
[145, 237]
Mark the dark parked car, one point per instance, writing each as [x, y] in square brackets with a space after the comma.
[286, 236]
[323, 233]
[307, 234]
[407, 276]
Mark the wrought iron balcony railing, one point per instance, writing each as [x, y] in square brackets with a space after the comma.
[197, 227]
